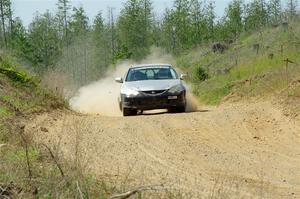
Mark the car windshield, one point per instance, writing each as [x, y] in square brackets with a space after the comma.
[155, 73]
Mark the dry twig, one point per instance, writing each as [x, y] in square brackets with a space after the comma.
[26, 147]
[55, 161]
[79, 190]
[135, 191]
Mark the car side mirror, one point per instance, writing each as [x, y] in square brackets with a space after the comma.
[119, 79]
[183, 76]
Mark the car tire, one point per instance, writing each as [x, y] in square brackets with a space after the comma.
[129, 112]
[178, 109]
[120, 105]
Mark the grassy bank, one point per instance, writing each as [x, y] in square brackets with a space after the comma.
[252, 66]
[27, 169]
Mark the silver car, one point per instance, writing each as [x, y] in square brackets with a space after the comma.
[148, 87]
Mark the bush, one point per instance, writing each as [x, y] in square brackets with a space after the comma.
[200, 74]
[8, 69]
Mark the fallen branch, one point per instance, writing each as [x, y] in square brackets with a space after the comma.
[4, 192]
[26, 148]
[55, 161]
[135, 191]
[79, 190]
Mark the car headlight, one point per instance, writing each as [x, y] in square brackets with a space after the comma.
[176, 89]
[130, 92]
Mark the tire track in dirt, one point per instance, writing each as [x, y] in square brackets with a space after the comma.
[245, 150]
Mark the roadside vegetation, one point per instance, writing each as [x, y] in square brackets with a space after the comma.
[259, 65]
[67, 42]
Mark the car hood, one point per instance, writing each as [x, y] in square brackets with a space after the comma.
[151, 85]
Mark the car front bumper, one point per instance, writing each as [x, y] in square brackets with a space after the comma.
[149, 102]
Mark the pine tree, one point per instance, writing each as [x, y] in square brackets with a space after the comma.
[169, 40]
[197, 21]
[6, 20]
[210, 19]
[234, 21]
[18, 40]
[79, 24]
[181, 25]
[43, 39]
[275, 11]
[101, 42]
[63, 16]
[134, 29]
[256, 15]
[292, 8]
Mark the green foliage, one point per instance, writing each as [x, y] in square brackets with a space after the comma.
[19, 42]
[243, 72]
[63, 20]
[79, 23]
[256, 15]
[65, 41]
[23, 95]
[275, 11]
[292, 8]
[102, 43]
[234, 14]
[43, 39]
[3, 112]
[7, 68]
[199, 74]
[51, 39]
[215, 95]
[20, 155]
[134, 27]
[5, 18]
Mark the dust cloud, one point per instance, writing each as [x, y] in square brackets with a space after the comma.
[101, 97]
[192, 102]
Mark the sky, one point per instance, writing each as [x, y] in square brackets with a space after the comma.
[26, 9]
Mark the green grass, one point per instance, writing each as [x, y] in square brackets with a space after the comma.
[3, 112]
[21, 93]
[241, 70]
[20, 97]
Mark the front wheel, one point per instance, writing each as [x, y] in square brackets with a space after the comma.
[129, 112]
[179, 109]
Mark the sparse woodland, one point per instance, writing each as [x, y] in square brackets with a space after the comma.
[68, 41]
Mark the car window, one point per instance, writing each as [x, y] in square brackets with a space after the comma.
[159, 73]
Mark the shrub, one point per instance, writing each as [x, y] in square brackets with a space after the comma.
[8, 69]
[200, 74]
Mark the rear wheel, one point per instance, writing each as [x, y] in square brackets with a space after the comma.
[129, 112]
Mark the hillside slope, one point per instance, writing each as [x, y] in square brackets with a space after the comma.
[253, 66]
[26, 169]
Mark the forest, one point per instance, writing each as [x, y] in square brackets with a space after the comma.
[69, 42]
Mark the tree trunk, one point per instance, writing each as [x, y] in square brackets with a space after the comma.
[3, 22]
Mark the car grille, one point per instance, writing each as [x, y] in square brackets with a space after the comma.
[152, 102]
[156, 92]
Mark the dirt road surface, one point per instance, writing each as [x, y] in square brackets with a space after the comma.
[245, 150]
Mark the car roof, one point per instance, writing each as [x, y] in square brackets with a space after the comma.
[151, 65]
